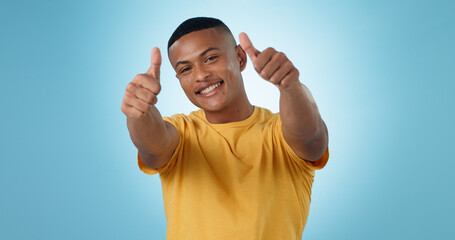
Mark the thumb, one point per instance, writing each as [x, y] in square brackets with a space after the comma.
[247, 46]
[154, 69]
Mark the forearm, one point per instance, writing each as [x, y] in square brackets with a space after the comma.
[149, 133]
[299, 114]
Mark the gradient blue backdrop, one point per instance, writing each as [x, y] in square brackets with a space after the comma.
[381, 72]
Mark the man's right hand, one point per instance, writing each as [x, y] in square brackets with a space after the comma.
[142, 92]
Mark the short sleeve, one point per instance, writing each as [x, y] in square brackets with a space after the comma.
[146, 169]
[316, 165]
[320, 163]
[174, 120]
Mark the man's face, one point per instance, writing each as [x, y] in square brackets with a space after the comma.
[209, 65]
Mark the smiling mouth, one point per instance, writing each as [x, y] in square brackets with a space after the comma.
[210, 88]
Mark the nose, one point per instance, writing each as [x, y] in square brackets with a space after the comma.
[201, 73]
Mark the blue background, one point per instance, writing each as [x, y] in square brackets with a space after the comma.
[381, 72]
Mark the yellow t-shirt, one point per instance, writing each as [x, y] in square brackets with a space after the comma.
[237, 180]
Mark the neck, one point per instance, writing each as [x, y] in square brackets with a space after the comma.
[234, 113]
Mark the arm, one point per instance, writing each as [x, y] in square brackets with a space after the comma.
[155, 139]
[303, 128]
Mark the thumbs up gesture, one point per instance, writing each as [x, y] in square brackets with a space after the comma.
[141, 93]
[271, 65]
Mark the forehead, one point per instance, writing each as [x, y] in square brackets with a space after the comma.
[192, 44]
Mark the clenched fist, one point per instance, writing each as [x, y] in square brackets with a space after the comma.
[141, 93]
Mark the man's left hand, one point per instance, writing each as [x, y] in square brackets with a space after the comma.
[271, 65]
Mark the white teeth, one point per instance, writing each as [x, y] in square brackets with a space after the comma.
[209, 89]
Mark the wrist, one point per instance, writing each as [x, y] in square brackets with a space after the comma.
[291, 87]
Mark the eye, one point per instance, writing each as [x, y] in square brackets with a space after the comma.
[184, 69]
[211, 58]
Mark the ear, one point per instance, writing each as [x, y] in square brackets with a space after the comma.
[241, 57]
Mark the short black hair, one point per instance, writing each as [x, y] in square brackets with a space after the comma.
[196, 24]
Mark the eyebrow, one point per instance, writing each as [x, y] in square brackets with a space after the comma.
[200, 55]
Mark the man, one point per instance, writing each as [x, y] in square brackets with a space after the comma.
[230, 170]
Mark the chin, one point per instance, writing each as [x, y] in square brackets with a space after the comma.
[211, 108]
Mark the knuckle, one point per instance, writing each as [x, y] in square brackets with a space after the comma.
[130, 86]
[139, 78]
[289, 64]
[151, 98]
[145, 104]
[292, 65]
[276, 56]
[127, 96]
[158, 88]
[270, 49]
[297, 72]
[257, 67]
[262, 74]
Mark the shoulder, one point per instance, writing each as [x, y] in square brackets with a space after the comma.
[182, 120]
[185, 117]
[263, 111]
[264, 115]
